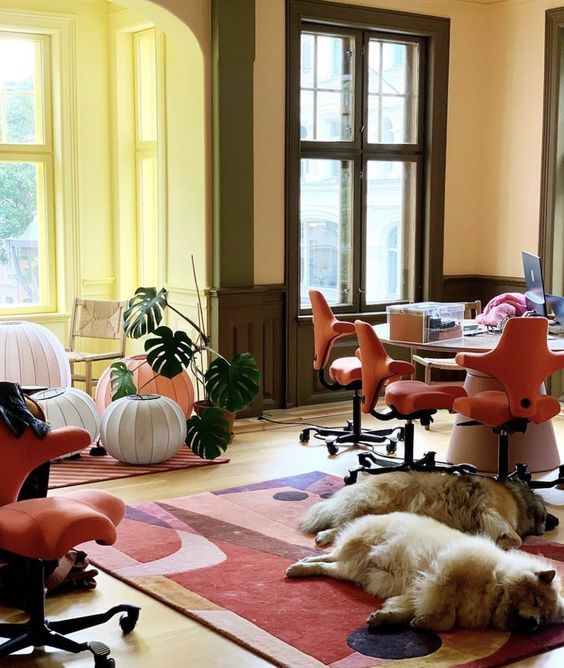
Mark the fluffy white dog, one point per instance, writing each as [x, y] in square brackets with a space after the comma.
[438, 578]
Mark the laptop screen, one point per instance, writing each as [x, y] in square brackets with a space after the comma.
[534, 284]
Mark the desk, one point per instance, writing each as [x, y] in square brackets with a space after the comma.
[477, 444]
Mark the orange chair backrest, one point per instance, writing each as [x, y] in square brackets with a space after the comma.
[520, 362]
[20, 456]
[326, 329]
[378, 368]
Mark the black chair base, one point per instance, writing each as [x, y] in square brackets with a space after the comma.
[348, 437]
[521, 473]
[352, 435]
[369, 464]
[40, 632]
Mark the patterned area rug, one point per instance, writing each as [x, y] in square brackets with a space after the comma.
[86, 468]
[220, 558]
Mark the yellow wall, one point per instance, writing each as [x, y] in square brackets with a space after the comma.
[493, 136]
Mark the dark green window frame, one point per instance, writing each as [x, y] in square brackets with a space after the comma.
[428, 153]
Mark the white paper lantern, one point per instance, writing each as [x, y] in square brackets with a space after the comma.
[32, 355]
[68, 406]
[143, 429]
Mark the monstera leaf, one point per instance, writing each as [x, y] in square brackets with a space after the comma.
[208, 434]
[144, 311]
[233, 386]
[168, 353]
[121, 379]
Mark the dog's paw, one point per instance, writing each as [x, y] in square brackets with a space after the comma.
[325, 537]
[509, 541]
[376, 618]
[295, 570]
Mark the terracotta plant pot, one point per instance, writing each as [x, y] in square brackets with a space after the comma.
[202, 405]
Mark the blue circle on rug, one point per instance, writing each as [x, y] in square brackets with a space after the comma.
[393, 642]
[290, 496]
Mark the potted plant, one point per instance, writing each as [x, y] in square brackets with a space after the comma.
[224, 385]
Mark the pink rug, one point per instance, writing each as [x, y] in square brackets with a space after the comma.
[220, 558]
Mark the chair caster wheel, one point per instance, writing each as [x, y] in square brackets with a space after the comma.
[128, 622]
[304, 437]
[332, 449]
[104, 662]
[391, 448]
[350, 479]
[401, 435]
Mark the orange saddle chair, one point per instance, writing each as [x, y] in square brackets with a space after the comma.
[34, 531]
[408, 400]
[344, 373]
[521, 362]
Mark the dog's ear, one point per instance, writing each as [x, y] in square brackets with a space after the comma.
[546, 576]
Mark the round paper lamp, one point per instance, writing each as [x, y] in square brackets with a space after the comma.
[32, 355]
[143, 429]
[68, 406]
[179, 388]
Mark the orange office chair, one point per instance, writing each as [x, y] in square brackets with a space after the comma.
[344, 373]
[521, 362]
[34, 531]
[407, 400]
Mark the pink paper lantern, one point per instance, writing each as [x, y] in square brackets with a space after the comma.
[179, 388]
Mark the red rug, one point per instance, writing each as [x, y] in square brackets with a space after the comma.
[220, 558]
[86, 468]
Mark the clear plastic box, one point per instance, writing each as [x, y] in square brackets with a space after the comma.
[425, 322]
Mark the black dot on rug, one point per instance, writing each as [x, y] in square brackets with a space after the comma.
[290, 496]
[393, 642]
[326, 495]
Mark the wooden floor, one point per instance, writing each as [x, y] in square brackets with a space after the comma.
[164, 637]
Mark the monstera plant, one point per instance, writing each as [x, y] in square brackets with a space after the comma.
[226, 385]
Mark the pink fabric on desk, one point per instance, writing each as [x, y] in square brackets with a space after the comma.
[508, 304]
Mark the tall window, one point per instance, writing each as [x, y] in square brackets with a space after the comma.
[26, 174]
[360, 200]
[146, 126]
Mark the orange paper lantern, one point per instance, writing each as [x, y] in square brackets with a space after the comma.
[179, 388]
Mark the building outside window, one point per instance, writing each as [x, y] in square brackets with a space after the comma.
[366, 104]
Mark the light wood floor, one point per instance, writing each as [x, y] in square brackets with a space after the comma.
[164, 637]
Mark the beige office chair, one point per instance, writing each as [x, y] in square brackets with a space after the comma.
[93, 320]
[471, 310]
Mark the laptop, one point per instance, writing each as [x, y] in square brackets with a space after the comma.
[534, 284]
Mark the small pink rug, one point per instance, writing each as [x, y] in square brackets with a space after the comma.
[86, 468]
[220, 558]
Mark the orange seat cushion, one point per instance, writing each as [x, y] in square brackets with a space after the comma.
[410, 396]
[491, 407]
[345, 370]
[47, 528]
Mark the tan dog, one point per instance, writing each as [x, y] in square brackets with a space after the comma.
[506, 512]
[437, 578]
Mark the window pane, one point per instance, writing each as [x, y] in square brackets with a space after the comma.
[326, 80]
[20, 91]
[390, 231]
[21, 250]
[326, 229]
[392, 92]
[148, 269]
[146, 86]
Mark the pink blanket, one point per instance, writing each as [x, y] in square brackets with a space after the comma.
[508, 304]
